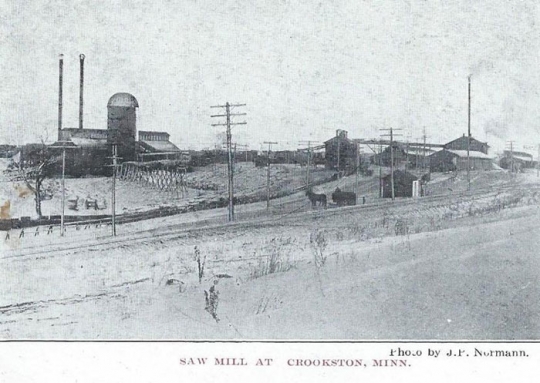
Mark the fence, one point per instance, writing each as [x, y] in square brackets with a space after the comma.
[157, 179]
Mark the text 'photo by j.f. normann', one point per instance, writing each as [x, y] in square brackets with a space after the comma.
[269, 170]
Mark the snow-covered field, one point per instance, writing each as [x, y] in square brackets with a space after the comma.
[439, 268]
[134, 197]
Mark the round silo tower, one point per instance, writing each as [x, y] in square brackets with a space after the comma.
[122, 125]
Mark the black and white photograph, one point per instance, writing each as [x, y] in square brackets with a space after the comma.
[270, 170]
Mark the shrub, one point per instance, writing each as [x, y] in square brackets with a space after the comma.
[319, 244]
[276, 260]
[200, 263]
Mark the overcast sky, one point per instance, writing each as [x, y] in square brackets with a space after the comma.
[304, 68]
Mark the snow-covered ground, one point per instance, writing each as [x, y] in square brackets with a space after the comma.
[460, 270]
[133, 197]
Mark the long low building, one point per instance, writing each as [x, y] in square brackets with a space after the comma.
[156, 146]
[448, 160]
[516, 160]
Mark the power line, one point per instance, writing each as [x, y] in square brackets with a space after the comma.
[424, 150]
[358, 153]
[270, 143]
[392, 158]
[510, 145]
[308, 159]
[114, 165]
[230, 167]
[469, 137]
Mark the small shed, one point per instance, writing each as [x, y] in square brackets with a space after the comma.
[403, 184]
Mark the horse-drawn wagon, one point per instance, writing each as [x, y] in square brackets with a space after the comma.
[342, 198]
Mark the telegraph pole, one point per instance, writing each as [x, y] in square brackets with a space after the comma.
[245, 147]
[81, 87]
[358, 148]
[511, 147]
[469, 139]
[424, 152]
[308, 160]
[60, 94]
[380, 170]
[407, 155]
[338, 153]
[230, 167]
[63, 191]
[537, 158]
[270, 143]
[423, 138]
[113, 198]
[338, 131]
[392, 158]
[63, 145]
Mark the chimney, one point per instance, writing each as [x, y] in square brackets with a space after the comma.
[81, 87]
[60, 86]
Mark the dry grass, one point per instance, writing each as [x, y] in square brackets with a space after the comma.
[275, 258]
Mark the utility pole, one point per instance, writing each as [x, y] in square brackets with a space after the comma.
[469, 139]
[308, 159]
[113, 197]
[270, 143]
[245, 147]
[338, 153]
[512, 155]
[423, 140]
[81, 87]
[63, 191]
[511, 148]
[60, 94]
[358, 152]
[424, 152]
[380, 170]
[532, 147]
[338, 138]
[63, 145]
[392, 158]
[407, 155]
[230, 167]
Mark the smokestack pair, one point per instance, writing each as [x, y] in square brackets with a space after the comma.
[60, 92]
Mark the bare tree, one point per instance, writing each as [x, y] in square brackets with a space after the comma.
[38, 163]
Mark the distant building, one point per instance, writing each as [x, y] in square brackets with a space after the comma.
[85, 137]
[340, 150]
[156, 146]
[516, 160]
[454, 156]
[451, 160]
[462, 143]
[92, 156]
[411, 156]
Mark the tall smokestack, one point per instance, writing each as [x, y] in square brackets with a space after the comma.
[60, 86]
[81, 84]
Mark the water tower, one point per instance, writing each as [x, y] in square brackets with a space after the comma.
[122, 125]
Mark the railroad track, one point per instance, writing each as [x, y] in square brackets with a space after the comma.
[179, 230]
